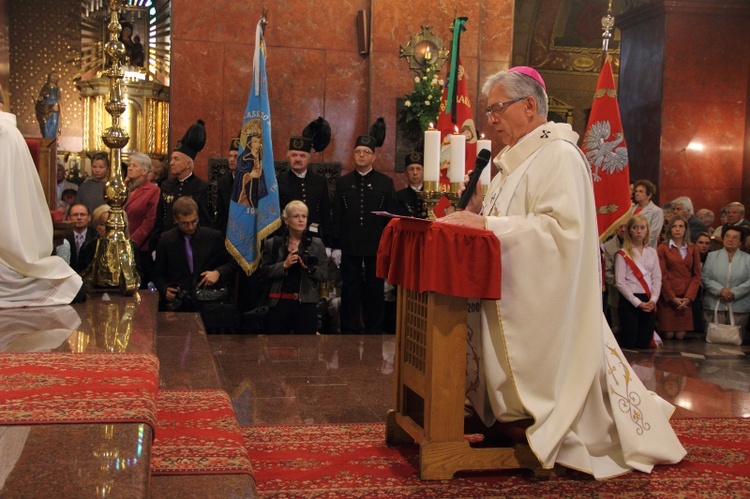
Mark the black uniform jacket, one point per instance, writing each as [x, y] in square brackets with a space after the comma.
[356, 230]
[313, 191]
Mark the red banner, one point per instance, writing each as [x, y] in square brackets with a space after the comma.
[605, 149]
[463, 123]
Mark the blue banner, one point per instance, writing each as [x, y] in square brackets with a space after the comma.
[254, 209]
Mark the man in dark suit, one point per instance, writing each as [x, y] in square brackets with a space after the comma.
[410, 203]
[188, 257]
[81, 235]
[357, 231]
[301, 184]
[183, 182]
[224, 187]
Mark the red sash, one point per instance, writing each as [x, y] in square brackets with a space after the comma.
[636, 271]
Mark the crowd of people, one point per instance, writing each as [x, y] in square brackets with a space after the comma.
[575, 401]
[317, 273]
[668, 269]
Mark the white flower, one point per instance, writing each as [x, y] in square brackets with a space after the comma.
[426, 103]
[424, 78]
[416, 79]
[442, 82]
[407, 103]
[429, 97]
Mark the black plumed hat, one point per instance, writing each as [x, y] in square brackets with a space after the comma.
[414, 158]
[193, 141]
[234, 144]
[375, 137]
[319, 133]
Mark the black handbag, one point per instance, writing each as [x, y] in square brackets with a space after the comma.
[211, 294]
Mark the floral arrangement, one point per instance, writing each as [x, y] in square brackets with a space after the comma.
[76, 174]
[423, 103]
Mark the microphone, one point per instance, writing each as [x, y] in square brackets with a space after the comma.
[481, 162]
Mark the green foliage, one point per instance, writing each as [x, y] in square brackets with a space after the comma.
[423, 103]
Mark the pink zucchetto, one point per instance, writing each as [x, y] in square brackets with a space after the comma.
[530, 72]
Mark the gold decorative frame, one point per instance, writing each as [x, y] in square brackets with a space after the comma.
[424, 49]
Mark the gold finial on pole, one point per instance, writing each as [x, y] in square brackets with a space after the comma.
[264, 20]
[608, 24]
[114, 261]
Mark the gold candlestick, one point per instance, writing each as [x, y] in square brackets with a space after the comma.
[431, 195]
[114, 261]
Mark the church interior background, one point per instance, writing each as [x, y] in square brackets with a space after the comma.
[685, 68]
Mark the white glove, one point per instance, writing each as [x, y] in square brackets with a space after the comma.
[336, 256]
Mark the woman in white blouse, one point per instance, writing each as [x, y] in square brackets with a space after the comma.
[638, 277]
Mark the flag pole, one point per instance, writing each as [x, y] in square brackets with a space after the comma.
[608, 23]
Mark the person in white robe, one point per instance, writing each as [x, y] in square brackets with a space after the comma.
[546, 351]
[29, 275]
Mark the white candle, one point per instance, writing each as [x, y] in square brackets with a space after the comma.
[431, 155]
[485, 144]
[457, 169]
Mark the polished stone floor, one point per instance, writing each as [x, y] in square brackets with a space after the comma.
[345, 379]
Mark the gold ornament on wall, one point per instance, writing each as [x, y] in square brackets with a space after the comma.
[424, 50]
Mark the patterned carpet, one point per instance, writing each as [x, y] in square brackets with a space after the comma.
[197, 433]
[352, 461]
[39, 388]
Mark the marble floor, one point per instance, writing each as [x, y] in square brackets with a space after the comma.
[345, 379]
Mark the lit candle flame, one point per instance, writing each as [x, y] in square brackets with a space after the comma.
[455, 129]
[432, 125]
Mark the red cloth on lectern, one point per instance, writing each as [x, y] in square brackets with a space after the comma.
[447, 259]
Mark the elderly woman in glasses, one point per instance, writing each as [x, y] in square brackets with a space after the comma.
[726, 281]
[293, 265]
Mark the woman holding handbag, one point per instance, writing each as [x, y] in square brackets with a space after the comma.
[680, 264]
[726, 281]
[638, 277]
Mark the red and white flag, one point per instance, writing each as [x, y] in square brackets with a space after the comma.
[605, 149]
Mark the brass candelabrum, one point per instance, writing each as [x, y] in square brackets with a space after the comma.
[114, 263]
[432, 193]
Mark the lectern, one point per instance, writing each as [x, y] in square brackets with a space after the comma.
[437, 268]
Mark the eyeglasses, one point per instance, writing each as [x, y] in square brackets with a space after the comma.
[190, 223]
[360, 152]
[497, 107]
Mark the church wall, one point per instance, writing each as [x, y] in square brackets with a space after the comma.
[684, 97]
[314, 67]
[705, 107]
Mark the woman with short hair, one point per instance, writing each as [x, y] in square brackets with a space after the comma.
[726, 280]
[293, 264]
[143, 199]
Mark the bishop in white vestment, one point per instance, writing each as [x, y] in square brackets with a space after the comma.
[547, 353]
[29, 276]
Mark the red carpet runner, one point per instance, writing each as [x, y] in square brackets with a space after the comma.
[352, 461]
[39, 388]
[197, 433]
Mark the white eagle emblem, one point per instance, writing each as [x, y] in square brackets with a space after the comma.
[603, 155]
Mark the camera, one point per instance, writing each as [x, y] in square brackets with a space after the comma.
[308, 259]
[179, 300]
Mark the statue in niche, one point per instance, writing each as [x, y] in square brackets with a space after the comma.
[48, 107]
[133, 46]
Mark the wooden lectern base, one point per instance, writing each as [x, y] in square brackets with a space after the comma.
[430, 390]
